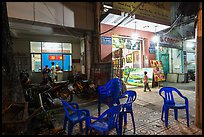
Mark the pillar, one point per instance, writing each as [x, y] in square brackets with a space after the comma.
[87, 54]
[96, 46]
[199, 69]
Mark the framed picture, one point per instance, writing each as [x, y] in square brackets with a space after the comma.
[129, 58]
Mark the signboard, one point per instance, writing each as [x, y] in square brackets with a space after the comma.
[135, 76]
[106, 40]
[55, 57]
[157, 70]
[152, 47]
[52, 57]
[170, 42]
[158, 11]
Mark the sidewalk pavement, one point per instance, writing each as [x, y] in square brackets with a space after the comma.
[147, 114]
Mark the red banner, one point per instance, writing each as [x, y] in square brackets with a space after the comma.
[54, 57]
[59, 57]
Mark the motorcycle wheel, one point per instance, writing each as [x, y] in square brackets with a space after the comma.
[66, 95]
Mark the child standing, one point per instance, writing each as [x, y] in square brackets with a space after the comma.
[146, 85]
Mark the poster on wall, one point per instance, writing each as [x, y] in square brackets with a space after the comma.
[135, 76]
[37, 66]
[129, 58]
[132, 44]
[118, 42]
[157, 70]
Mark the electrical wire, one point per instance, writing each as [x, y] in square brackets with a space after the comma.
[129, 14]
[173, 25]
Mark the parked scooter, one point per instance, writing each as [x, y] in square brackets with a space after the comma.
[83, 88]
[56, 90]
[62, 89]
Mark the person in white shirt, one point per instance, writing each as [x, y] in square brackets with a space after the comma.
[53, 72]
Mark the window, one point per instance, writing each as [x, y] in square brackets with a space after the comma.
[67, 48]
[36, 62]
[43, 53]
[35, 47]
[67, 63]
[51, 47]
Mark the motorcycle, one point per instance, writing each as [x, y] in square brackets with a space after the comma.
[84, 88]
[56, 90]
[62, 89]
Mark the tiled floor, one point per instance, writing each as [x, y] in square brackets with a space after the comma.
[147, 115]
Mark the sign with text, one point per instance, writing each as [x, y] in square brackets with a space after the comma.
[171, 42]
[106, 40]
[158, 11]
[55, 57]
[152, 47]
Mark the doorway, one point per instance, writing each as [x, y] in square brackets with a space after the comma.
[165, 63]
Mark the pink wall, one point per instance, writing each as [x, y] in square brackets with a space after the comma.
[106, 50]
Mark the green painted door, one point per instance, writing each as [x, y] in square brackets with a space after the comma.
[165, 63]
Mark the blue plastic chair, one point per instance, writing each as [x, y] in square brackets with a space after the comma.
[127, 107]
[109, 93]
[106, 88]
[75, 115]
[169, 103]
[106, 121]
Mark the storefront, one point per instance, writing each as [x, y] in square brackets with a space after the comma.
[126, 53]
[130, 57]
[190, 58]
[43, 53]
[170, 53]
